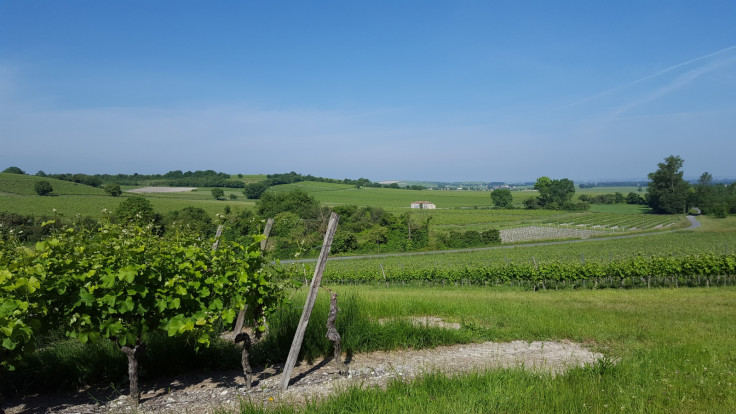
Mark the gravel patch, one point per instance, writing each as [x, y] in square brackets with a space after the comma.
[205, 393]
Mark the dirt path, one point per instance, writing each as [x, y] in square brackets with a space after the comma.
[204, 393]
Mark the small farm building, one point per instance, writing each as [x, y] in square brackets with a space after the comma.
[423, 205]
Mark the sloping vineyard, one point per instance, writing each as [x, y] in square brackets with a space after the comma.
[691, 258]
[702, 269]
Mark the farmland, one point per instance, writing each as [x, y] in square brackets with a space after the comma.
[656, 303]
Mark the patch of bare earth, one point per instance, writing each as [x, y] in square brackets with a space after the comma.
[204, 393]
[161, 190]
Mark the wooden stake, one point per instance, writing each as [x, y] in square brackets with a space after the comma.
[217, 237]
[311, 298]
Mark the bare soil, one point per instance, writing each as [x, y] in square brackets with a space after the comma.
[205, 393]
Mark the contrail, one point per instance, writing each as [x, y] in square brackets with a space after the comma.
[654, 75]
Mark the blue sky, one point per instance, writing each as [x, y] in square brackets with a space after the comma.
[414, 90]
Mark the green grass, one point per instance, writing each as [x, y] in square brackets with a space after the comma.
[720, 225]
[332, 194]
[610, 190]
[92, 205]
[675, 352]
[18, 184]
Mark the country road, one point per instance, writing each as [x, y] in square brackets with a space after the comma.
[694, 224]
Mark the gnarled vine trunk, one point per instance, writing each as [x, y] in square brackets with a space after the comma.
[333, 335]
[133, 353]
[244, 362]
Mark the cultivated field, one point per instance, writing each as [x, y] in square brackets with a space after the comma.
[669, 348]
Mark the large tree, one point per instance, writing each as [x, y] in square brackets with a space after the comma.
[554, 194]
[502, 197]
[668, 191]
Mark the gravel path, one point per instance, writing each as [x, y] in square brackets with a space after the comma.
[205, 393]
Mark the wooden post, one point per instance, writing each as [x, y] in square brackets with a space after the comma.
[217, 237]
[241, 316]
[266, 232]
[311, 298]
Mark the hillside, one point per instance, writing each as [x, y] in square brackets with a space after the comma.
[23, 185]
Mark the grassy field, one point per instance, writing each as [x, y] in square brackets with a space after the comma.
[18, 184]
[457, 210]
[666, 350]
[670, 351]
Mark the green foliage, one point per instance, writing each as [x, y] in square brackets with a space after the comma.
[217, 193]
[296, 201]
[502, 198]
[42, 188]
[254, 191]
[113, 189]
[136, 209]
[668, 191]
[121, 282]
[22, 228]
[192, 219]
[554, 194]
[634, 198]
[13, 170]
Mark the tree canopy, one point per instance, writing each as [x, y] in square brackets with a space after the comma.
[555, 194]
[668, 191]
[43, 187]
[502, 197]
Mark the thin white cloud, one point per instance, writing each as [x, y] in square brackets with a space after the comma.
[648, 77]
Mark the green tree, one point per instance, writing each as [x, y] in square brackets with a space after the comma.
[295, 201]
[555, 194]
[668, 191]
[255, 191]
[218, 193]
[43, 187]
[113, 189]
[137, 210]
[502, 197]
[634, 198]
[13, 170]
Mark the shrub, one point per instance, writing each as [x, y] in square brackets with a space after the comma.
[43, 187]
[113, 190]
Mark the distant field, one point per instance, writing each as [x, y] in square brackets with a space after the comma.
[69, 199]
[334, 194]
[457, 210]
[610, 190]
[23, 185]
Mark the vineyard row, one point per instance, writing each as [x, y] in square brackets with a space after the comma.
[703, 269]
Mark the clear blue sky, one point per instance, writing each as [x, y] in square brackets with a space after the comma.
[416, 90]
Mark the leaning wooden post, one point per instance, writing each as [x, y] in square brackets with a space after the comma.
[217, 237]
[311, 297]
